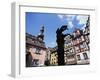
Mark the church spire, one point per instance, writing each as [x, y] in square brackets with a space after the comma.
[41, 34]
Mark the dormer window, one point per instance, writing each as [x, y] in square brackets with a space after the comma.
[78, 32]
[38, 50]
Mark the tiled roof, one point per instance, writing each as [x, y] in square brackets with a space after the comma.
[34, 41]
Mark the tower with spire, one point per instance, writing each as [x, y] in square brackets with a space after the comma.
[41, 34]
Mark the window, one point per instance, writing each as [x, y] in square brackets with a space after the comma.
[74, 34]
[82, 38]
[66, 42]
[70, 43]
[78, 32]
[77, 49]
[87, 38]
[71, 50]
[81, 46]
[85, 46]
[38, 50]
[67, 51]
[77, 41]
[74, 42]
[78, 57]
[85, 56]
[66, 45]
[35, 62]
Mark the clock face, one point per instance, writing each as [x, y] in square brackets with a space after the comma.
[40, 39]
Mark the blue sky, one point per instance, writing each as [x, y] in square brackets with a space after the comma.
[51, 21]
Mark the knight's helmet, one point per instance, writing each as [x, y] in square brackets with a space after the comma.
[41, 34]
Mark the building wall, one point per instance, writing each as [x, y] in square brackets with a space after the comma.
[69, 51]
[79, 42]
[76, 45]
[81, 45]
[54, 58]
[36, 50]
[82, 59]
[40, 57]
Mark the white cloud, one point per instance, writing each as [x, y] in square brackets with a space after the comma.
[60, 16]
[70, 24]
[82, 19]
[68, 19]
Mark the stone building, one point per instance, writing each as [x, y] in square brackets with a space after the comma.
[81, 48]
[53, 56]
[81, 43]
[35, 50]
[70, 56]
[76, 48]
